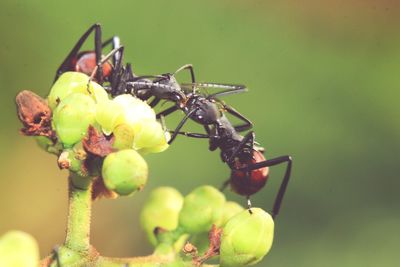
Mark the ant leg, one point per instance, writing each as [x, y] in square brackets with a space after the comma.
[116, 42]
[180, 125]
[97, 50]
[194, 135]
[66, 65]
[285, 181]
[107, 57]
[56, 256]
[98, 65]
[187, 67]
[129, 72]
[166, 112]
[225, 185]
[118, 72]
[187, 134]
[161, 77]
[248, 138]
[249, 204]
[242, 127]
[154, 102]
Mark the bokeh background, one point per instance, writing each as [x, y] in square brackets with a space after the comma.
[324, 87]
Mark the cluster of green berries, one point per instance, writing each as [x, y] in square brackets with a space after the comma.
[127, 125]
[246, 234]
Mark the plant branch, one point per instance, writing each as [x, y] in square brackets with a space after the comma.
[78, 226]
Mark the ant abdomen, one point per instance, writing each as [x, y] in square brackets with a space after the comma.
[86, 63]
[247, 183]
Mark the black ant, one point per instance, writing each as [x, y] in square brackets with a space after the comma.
[160, 87]
[88, 61]
[249, 168]
[164, 86]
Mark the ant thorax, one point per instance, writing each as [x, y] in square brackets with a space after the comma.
[167, 88]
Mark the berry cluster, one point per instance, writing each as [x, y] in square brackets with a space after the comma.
[213, 225]
[98, 120]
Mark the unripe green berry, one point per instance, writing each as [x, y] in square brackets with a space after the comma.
[43, 142]
[161, 210]
[47, 145]
[18, 249]
[75, 82]
[109, 114]
[246, 238]
[229, 210]
[123, 136]
[135, 110]
[124, 172]
[72, 118]
[97, 92]
[201, 208]
[149, 134]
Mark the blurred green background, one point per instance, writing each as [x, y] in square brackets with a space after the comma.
[324, 87]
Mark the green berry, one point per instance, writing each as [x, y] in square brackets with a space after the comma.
[72, 118]
[75, 82]
[47, 145]
[149, 134]
[109, 114]
[229, 210]
[124, 172]
[246, 238]
[123, 136]
[43, 142]
[135, 110]
[161, 210]
[201, 208]
[18, 249]
[97, 92]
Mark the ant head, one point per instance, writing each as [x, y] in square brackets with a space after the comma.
[180, 98]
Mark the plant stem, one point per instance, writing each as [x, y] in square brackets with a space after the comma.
[78, 226]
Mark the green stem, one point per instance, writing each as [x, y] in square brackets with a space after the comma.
[78, 226]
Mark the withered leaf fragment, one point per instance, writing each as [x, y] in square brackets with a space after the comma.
[97, 143]
[101, 191]
[214, 236]
[35, 115]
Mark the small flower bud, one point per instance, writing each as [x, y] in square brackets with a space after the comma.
[246, 238]
[161, 210]
[201, 208]
[72, 118]
[124, 172]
